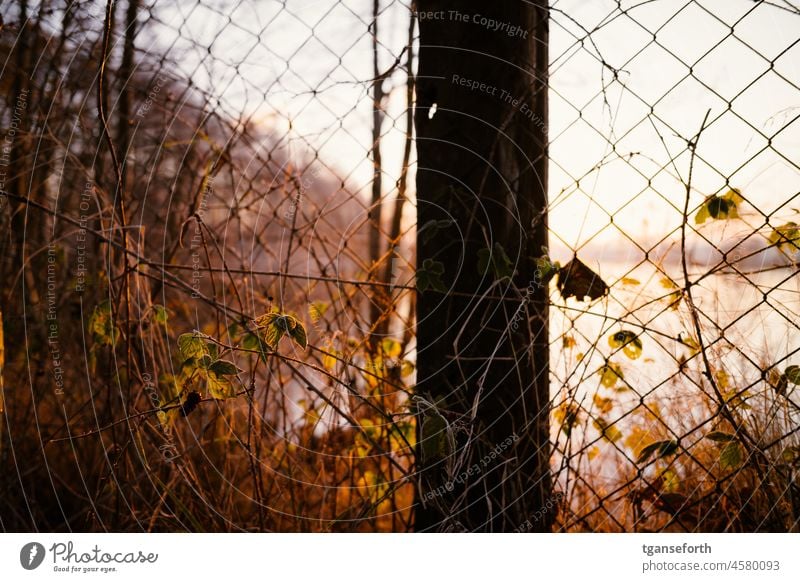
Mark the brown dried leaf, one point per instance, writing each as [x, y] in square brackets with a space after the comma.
[577, 280]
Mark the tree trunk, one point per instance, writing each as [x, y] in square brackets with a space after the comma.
[483, 377]
[126, 70]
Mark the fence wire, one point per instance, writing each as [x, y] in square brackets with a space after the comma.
[674, 140]
[222, 193]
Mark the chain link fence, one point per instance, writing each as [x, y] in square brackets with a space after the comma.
[674, 142]
[222, 194]
[214, 242]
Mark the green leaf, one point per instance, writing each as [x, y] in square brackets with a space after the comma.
[778, 381]
[720, 207]
[169, 393]
[659, 449]
[267, 319]
[786, 238]
[213, 350]
[545, 269]
[192, 345]
[160, 314]
[204, 361]
[263, 348]
[272, 335]
[220, 387]
[791, 454]
[224, 368]
[285, 323]
[434, 438]
[273, 327]
[250, 341]
[101, 325]
[298, 334]
[188, 366]
[497, 259]
[792, 374]
[719, 436]
[430, 276]
[235, 330]
[630, 343]
[731, 456]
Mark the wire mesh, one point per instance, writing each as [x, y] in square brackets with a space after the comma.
[230, 183]
[675, 408]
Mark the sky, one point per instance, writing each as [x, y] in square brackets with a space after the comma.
[298, 69]
[682, 62]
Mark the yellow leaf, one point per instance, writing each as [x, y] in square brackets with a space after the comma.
[630, 281]
[650, 413]
[737, 400]
[219, 387]
[593, 452]
[689, 342]
[674, 299]
[723, 207]
[609, 374]
[316, 310]
[402, 433]
[406, 368]
[637, 439]
[329, 359]
[391, 348]
[629, 342]
[312, 417]
[668, 283]
[375, 371]
[734, 195]
[609, 431]
[567, 415]
[702, 214]
[670, 481]
[603, 404]
[786, 238]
